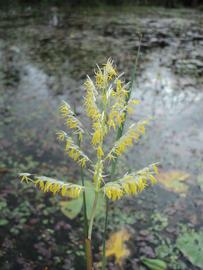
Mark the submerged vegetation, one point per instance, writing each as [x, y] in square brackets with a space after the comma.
[107, 102]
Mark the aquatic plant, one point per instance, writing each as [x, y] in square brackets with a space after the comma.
[107, 102]
[190, 244]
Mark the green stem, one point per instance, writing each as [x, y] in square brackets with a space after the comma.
[86, 243]
[93, 215]
[114, 162]
[105, 235]
[88, 252]
[84, 204]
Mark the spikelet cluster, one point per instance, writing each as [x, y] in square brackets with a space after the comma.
[90, 100]
[98, 173]
[47, 184]
[131, 184]
[70, 120]
[113, 191]
[99, 130]
[72, 149]
[116, 115]
[132, 136]
[104, 75]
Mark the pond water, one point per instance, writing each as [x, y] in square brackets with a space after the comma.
[45, 55]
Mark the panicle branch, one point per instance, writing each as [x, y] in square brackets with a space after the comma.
[72, 149]
[132, 136]
[47, 184]
[131, 184]
[90, 100]
[71, 121]
[104, 75]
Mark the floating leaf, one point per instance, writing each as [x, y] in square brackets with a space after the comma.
[116, 246]
[190, 244]
[174, 181]
[154, 264]
[200, 181]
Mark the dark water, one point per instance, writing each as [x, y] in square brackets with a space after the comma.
[45, 55]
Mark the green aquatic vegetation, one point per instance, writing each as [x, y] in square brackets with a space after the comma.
[190, 244]
[106, 102]
[154, 264]
[4, 220]
[3, 209]
[159, 221]
[168, 252]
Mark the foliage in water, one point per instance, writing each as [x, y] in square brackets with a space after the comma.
[190, 244]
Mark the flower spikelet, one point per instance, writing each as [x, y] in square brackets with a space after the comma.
[25, 177]
[90, 100]
[100, 130]
[72, 149]
[131, 184]
[116, 115]
[98, 171]
[75, 152]
[121, 90]
[132, 136]
[70, 120]
[113, 191]
[101, 79]
[109, 69]
[47, 184]
[105, 74]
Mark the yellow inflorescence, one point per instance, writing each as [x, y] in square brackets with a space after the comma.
[131, 184]
[69, 190]
[101, 80]
[54, 186]
[110, 70]
[90, 100]
[75, 152]
[121, 91]
[25, 177]
[113, 191]
[71, 121]
[132, 136]
[104, 75]
[100, 130]
[106, 103]
[116, 115]
[72, 149]
[100, 152]
[98, 173]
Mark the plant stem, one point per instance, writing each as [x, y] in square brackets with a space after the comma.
[84, 204]
[87, 244]
[88, 252]
[93, 214]
[114, 162]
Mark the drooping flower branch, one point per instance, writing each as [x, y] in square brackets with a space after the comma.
[54, 186]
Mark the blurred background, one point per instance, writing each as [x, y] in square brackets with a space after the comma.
[46, 50]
